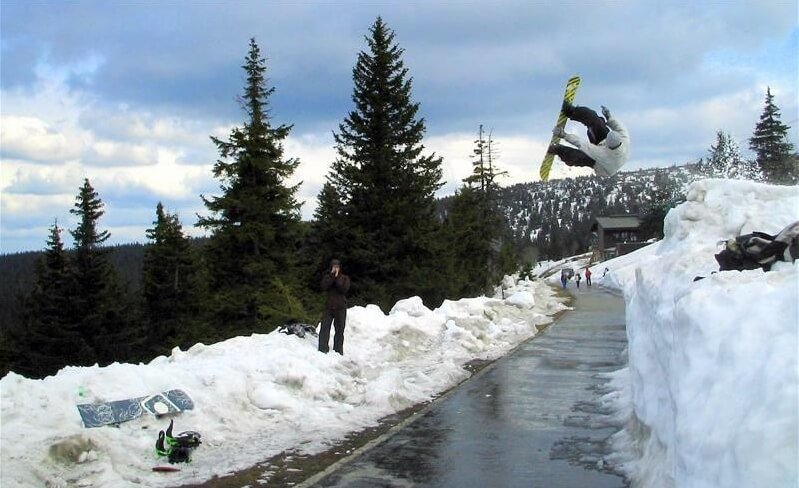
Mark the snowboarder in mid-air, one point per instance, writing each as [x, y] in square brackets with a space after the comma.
[608, 144]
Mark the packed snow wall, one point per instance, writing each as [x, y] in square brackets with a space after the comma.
[713, 370]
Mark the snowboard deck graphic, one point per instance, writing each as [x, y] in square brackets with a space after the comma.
[571, 90]
[99, 414]
[168, 402]
[116, 412]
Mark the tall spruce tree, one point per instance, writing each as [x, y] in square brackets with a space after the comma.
[774, 152]
[377, 211]
[51, 340]
[97, 305]
[255, 224]
[172, 286]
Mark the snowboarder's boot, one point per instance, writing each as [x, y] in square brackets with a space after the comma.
[160, 450]
[189, 439]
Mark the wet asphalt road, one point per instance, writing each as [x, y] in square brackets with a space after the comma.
[530, 420]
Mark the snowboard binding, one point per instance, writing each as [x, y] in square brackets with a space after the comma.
[176, 448]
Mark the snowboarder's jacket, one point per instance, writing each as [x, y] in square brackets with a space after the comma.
[336, 288]
[611, 153]
[760, 250]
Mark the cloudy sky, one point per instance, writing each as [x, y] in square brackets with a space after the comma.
[128, 93]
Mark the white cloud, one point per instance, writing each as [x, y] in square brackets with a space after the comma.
[112, 153]
[316, 153]
[31, 206]
[54, 136]
[31, 138]
[20, 177]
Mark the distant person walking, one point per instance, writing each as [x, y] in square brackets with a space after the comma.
[579, 277]
[563, 278]
[336, 284]
[588, 276]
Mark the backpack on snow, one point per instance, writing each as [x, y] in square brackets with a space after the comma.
[760, 250]
[292, 327]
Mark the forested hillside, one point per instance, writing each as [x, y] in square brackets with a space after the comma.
[555, 217]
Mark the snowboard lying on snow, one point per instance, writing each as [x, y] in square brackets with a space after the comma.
[111, 413]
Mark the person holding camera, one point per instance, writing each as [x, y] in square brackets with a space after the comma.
[336, 284]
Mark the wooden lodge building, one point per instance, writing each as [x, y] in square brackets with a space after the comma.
[616, 235]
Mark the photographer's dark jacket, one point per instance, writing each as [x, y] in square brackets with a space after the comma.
[336, 289]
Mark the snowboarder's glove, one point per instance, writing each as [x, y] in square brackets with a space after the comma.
[605, 112]
[559, 132]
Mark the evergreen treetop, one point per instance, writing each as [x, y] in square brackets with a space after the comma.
[88, 208]
[377, 211]
[252, 168]
[724, 160]
[379, 143]
[484, 172]
[255, 223]
[770, 143]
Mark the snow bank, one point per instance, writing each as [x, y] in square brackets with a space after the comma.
[258, 396]
[713, 377]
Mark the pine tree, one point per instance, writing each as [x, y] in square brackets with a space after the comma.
[172, 285]
[383, 227]
[774, 153]
[484, 173]
[50, 340]
[98, 309]
[479, 229]
[255, 224]
[724, 160]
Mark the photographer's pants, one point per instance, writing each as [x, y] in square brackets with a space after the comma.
[338, 318]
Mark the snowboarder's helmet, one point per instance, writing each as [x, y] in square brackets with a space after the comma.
[335, 262]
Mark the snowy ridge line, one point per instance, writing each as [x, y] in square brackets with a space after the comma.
[256, 397]
[710, 396]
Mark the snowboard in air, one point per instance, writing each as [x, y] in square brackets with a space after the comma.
[116, 412]
[571, 90]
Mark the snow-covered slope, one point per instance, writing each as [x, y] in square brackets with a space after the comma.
[258, 396]
[711, 394]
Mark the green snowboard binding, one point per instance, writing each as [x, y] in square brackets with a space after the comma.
[176, 448]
